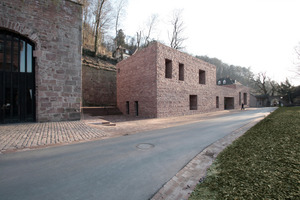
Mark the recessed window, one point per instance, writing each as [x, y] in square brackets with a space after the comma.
[181, 72]
[240, 98]
[217, 102]
[245, 99]
[136, 103]
[168, 69]
[22, 55]
[127, 107]
[201, 77]
[29, 58]
[193, 102]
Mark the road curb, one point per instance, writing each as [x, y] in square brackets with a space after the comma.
[184, 182]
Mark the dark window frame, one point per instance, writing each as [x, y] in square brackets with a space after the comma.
[168, 68]
[136, 105]
[181, 72]
[193, 102]
[202, 77]
[127, 108]
[245, 98]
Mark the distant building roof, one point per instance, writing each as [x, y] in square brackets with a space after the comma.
[225, 81]
[121, 53]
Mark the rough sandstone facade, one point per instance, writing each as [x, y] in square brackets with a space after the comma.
[159, 81]
[98, 86]
[55, 29]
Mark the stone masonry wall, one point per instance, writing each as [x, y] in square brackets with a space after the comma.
[98, 86]
[224, 91]
[55, 28]
[173, 95]
[164, 93]
[136, 82]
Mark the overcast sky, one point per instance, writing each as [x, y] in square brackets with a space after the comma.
[260, 34]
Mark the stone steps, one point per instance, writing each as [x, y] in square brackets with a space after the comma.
[103, 123]
[101, 111]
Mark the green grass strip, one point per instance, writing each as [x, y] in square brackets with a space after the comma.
[262, 164]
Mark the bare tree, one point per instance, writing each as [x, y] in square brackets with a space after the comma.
[297, 50]
[150, 27]
[274, 87]
[119, 13]
[86, 11]
[102, 19]
[261, 82]
[138, 38]
[177, 38]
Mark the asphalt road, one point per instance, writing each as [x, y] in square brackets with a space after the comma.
[131, 167]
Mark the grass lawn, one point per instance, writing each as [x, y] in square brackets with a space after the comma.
[262, 164]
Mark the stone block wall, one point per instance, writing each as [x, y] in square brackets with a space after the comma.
[98, 86]
[55, 29]
[233, 91]
[173, 95]
[199, 79]
[136, 83]
[168, 83]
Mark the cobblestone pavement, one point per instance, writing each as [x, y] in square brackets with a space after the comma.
[33, 135]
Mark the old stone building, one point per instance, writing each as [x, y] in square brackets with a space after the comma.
[159, 81]
[40, 60]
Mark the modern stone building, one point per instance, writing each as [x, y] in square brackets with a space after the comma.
[40, 60]
[159, 81]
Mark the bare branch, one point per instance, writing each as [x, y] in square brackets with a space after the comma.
[177, 38]
[297, 50]
[138, 39]
[102, 19]
[151, 25]
[119, 13]
[260, 82]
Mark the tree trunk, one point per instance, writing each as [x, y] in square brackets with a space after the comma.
[98, 15]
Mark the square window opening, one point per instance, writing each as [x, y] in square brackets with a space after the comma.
[181, 72]
[168, 69]
[201, 77]
[136, 108]
[127, 107]
[245, 99]
[193, 102]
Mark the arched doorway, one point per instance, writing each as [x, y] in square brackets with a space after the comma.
[17, 78]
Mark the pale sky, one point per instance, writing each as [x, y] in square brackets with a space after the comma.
[260, 34]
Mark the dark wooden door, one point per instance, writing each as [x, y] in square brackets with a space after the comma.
[17, 78]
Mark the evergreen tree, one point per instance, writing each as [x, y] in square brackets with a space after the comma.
[120, 38]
